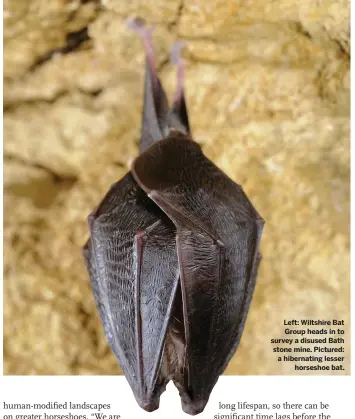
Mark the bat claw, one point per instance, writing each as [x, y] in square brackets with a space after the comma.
[135, 23]
[138, 25]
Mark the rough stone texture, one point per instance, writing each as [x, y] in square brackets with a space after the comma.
[268, 94]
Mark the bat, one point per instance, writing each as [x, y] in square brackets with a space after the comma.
[172, 255]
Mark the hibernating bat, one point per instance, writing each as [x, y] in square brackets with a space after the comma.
[172, 256]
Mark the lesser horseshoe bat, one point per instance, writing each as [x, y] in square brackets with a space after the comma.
[173, 256]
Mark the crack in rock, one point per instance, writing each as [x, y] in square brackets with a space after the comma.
[73, 41]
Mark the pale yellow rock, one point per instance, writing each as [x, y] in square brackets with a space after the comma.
[327, 21]
[115, 59]
[267, 87]
[164, 11]
[57, 136]
[33, 28]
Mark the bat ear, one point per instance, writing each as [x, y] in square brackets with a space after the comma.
[155, 108]
[178, 114]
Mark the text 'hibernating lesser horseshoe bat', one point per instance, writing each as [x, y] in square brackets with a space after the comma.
[173, 256]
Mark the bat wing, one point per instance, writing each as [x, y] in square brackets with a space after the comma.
[95, 285]
[131, 258]
[218, 234]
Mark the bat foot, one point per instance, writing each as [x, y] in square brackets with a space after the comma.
[138, 25]
[135, 23]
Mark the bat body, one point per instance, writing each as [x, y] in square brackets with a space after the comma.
[172, 257]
